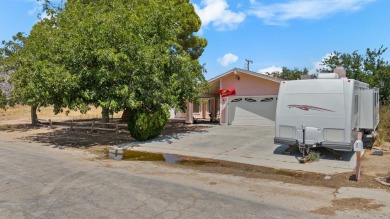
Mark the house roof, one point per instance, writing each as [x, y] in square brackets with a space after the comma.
[259, 75]
[214, 82]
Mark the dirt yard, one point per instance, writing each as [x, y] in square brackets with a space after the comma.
[14, 123]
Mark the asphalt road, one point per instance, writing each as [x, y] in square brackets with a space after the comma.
[36, 183]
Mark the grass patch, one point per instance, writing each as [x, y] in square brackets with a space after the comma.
[348, 204]
[23, 112]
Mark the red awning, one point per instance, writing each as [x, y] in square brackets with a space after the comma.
[227, 92]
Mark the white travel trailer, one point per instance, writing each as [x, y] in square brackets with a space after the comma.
[326, 112]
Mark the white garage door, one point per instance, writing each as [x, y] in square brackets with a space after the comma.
[252, 110]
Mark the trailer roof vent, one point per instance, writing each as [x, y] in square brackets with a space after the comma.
[328, 76]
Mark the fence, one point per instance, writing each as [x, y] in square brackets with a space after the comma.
[87, 125]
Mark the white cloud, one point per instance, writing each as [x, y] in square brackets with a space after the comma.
[227, 59]
[217, 13]
[270, 69]
[38, 9]
[280, 13]
[318, 65]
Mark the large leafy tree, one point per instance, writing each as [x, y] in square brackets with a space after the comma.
[8, 64]
[3, 98]
[130, 54]
[290, 74]
[5, 87]
[369, 67]
[36, 77]
[117, 54]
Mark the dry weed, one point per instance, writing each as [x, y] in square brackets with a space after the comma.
[384, 126]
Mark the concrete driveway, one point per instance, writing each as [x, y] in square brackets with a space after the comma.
[244, 144]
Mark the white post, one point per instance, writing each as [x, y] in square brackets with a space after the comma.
[358, 147]
[227, 111]
[50, 124]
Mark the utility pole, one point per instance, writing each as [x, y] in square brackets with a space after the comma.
[248, 62]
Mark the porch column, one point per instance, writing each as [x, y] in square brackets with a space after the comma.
[189, 113]
[222, 111]
[204, 108]
[212, 109]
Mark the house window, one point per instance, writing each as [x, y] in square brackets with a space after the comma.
[236, 100]
[196, 107]
[250, 100]
[268, 99]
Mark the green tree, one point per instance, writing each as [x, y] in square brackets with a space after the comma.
[369, 67]
[137, 54]
[291, 74]
[381, 80]
[121, 54]
[116, 54]
[5, 88]
[3, 100]
[36, 78]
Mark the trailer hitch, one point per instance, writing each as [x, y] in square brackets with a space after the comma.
[303, 148]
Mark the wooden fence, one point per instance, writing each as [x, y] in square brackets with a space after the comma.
[87, 125]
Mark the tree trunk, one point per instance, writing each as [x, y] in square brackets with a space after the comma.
[125, 115]
[105, 115]
[34, 117]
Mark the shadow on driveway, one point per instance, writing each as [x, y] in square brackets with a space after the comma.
[325, 153]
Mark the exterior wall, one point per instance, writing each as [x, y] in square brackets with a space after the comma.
[247, 85]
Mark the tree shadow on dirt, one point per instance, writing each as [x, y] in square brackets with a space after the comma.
[79, 138]
[64, 137]
[17, 127]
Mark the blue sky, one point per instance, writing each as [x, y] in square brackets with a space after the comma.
[271, 33]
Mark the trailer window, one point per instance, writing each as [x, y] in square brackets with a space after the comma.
[375, 102]
[376, 99]
[356, 104]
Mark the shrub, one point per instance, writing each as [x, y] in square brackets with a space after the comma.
[144, 125]
[3, 100]
[384, 126]
[313, 156]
